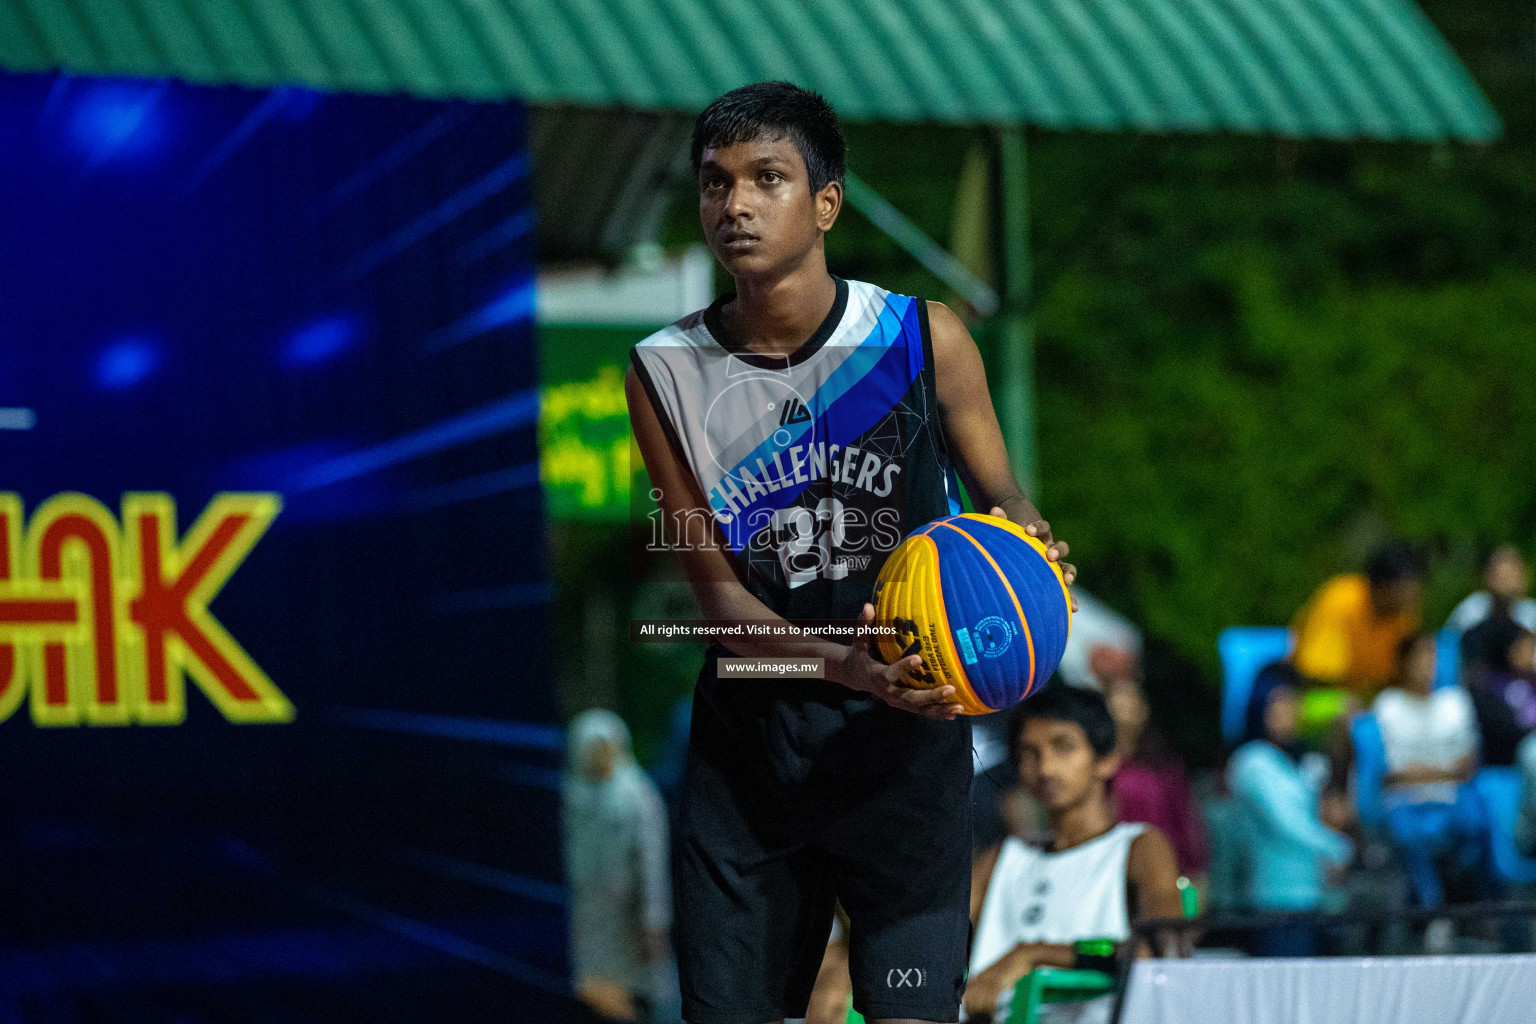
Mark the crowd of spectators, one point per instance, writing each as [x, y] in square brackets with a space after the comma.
[1087, 818]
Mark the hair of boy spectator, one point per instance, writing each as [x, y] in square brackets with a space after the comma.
[1395, 562]
[1061, 702]
[1504, 552]
[775, 110]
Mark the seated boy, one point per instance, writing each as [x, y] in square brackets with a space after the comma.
[1088, 879]
[1430, 740]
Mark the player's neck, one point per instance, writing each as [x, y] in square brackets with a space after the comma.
[777, 315]
[1080, 823]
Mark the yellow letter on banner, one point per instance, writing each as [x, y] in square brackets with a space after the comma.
[168, 625]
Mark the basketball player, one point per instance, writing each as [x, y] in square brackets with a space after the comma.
[1089, 877]
[809, 423]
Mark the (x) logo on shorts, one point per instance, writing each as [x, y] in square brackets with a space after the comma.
[910, 978]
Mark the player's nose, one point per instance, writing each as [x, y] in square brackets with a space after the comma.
[736, 203]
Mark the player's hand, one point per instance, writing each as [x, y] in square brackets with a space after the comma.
[1055, 550]
[894, 683]
[984, 990]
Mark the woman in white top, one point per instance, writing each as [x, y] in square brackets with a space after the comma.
[1091, 877]
[1430, 740]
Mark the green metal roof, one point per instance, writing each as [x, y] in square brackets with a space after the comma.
[1335, 68]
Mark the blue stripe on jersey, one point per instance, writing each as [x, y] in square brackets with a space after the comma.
[865, 387]
[952, 491]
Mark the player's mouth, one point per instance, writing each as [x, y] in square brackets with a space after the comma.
[737, 241]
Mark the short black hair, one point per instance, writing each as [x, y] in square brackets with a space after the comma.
[1061, 702]
[776, 110]
[1393, 563]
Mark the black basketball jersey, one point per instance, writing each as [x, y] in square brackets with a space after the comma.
[816, 464]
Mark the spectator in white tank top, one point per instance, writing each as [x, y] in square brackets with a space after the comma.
[1089, 878]
[1431, 745]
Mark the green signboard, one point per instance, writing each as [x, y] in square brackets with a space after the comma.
[584, 438]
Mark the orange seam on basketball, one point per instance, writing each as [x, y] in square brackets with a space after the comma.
[1023, 622]
[1018, 531]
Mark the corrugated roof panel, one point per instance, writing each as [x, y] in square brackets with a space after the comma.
[1015, 73]
[63, 38]
[102, 19]
[517, 65]
[1430, 67]
[1389, 79]
[652, 50]
[1116, 77]
[1232, 52]
[802, 40]
[1270, 40]
[453, 50]
[353, 51]
[577, 78]
[231, 25]
[860, 82]
[1350, 90]
[1340, 68]
[708, 49]
[1155, 62]
[1224, 92]
[296, 54]
[1085, 103]
[20, 46]
[892, 30]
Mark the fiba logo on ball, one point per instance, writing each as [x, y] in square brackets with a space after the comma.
[993, 635]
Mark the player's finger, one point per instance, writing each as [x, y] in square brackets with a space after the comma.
[903, 673]
[1039, 529]
[866, 616]
[1059, 550]
[997, 510]
[927, 698]
[1068, 572]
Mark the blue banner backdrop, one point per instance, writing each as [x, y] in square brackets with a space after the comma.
[279, 736]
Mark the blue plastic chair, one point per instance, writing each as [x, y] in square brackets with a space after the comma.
[1447, 658]
[1244, 650]
[1499, 789]
[1370, 769]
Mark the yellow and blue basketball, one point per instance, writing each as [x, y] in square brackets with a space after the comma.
[978, 599]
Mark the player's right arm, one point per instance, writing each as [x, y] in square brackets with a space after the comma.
[712, 573]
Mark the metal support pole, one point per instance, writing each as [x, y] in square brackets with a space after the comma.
[1014, 386]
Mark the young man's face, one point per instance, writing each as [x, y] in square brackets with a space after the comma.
[1418, 669]
[1397, 597]
[1058, 767]
[759, 214]
[1506, 577]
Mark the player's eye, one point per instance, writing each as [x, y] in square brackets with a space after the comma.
[772, 177]
[714, 183]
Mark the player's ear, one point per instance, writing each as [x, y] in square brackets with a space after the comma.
[1107, 766]
[829, 202]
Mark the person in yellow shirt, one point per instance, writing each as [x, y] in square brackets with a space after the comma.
[1348, 633]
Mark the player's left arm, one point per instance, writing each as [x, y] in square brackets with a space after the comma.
[974, 437]
[1152, 882]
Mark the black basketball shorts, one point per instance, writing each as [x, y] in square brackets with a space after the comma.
[801, 793]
